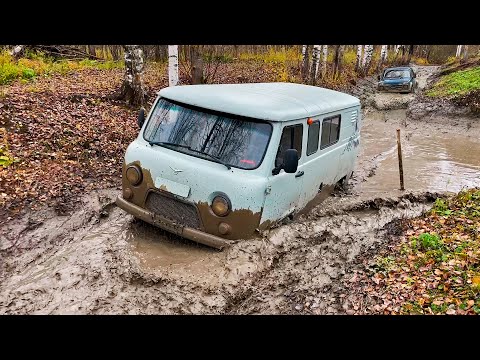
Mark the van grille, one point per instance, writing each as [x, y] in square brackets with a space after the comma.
[172, 209]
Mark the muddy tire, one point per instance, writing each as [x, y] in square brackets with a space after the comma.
[343, 184]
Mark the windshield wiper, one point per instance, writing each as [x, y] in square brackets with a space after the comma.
[216, 158]
[162, 143]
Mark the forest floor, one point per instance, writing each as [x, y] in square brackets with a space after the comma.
[66, 248]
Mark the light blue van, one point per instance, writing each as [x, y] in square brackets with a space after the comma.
[214, 163]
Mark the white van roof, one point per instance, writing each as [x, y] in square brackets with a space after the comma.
[267, 101]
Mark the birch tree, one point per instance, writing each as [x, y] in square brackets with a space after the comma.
[459, 51]
[367, 58]
[383, 56]
[196, 61]
[324, 60]
[358, 61]
[132, 90]
[465, 52]
[305, 61]
[315, 63]
[337, 63]
[172, 65]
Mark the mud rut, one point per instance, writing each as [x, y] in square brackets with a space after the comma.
[100, 260]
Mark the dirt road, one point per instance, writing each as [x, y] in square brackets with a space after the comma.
[100, 260]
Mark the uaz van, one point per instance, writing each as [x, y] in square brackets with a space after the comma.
[214, 163]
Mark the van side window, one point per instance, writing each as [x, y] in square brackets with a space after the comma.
[291, 139]
[330, 131]
[313, 138]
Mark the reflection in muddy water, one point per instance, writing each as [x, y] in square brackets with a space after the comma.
[431, 161]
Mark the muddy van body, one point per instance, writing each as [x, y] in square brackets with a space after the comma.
[214, 163]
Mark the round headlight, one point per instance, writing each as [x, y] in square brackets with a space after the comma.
[220, 206]
[134, 175]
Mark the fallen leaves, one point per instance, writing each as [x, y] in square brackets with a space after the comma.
[434, 268]
[69, 136]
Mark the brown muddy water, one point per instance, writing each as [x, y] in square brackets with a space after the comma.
[433, 159]
[100, 260]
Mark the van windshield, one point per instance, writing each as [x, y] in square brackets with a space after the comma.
[238, 142]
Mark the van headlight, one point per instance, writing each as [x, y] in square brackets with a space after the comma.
[134, 175]
[221, 205]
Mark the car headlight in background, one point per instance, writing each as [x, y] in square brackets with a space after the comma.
[221, 205]
[134, 175]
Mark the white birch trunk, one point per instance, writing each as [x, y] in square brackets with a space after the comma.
[315, 62]
[384, 53]
[132, 90]
[324, 59]
[172, 65]
[367, 58]
[304, 53]
[358, 61]
[459, 51]
[397, 47]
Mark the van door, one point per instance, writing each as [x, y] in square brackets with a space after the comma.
[284, 190]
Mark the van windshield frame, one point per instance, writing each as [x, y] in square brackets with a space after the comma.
[228, 128]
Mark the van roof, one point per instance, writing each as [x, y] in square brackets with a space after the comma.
[267, 101]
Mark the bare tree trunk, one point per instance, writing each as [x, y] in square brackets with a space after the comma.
[465, 52]
[172, 65]
[315, 63]
[383, 56]
[337, 63]
[197, 65]
[410, 53]
[428, 49]
[459, 51]
[305, 61]
[132, 90]
[403, 61]
[367, 58]
[358, 61]
[324, 60]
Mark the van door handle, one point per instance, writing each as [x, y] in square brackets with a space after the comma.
[300, 173]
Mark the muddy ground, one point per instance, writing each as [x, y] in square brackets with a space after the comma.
[99, 260]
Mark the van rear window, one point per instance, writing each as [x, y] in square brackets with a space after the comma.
[330, 131]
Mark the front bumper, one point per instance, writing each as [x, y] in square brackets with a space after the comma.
[394, 88]
[183, 231]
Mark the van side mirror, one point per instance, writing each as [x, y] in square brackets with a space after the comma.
[378, 77]
[290, 161]
[141, 117]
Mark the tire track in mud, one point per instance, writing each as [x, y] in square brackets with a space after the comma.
[315, 254]
[85, 264]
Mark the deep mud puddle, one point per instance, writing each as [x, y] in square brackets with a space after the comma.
[432, 161]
